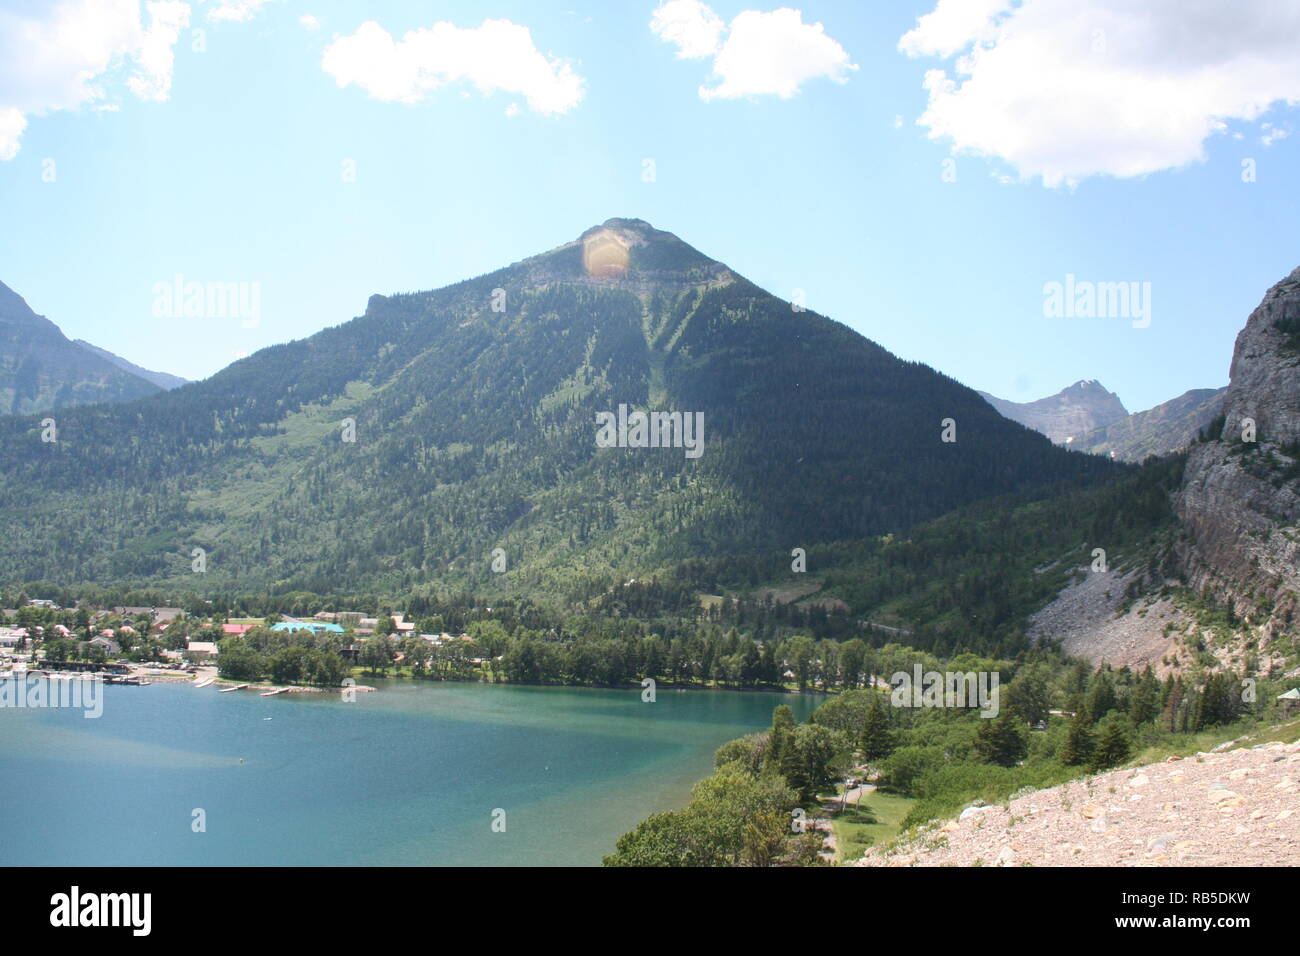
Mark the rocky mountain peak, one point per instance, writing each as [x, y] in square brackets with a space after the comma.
[630, 254]
[1071, 412]
[1265, 373]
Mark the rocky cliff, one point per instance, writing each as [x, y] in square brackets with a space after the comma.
[1240, 498]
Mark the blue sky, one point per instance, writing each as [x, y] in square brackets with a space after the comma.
[1100, 139]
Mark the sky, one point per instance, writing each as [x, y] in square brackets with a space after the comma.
[925, 172]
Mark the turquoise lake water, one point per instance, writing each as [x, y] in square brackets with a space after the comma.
[409, 775]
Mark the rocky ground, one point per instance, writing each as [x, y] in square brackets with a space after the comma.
[1085, 618]
[1231, 808]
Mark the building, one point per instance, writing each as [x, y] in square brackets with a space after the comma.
[236, 630]
[201, 650]
[107, 644]
[1290, 701]
[315, 627]
[161, 615]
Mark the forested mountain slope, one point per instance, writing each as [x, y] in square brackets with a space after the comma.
[1169, 427]
[473, 410]
[163, 380]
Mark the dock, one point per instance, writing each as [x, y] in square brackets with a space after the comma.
[227, 690]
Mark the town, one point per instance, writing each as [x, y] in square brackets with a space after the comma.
[138, 645]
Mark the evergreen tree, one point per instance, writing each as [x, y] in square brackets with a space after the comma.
[1000, 741]
[1101, 696]
[876, 737]
[1112, 748]
[779, 736]
[1171, 714]
[1220, 703]
[1079, 744]
[1144, 703]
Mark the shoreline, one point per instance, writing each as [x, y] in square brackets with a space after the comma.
[659, 685]
[152, 674]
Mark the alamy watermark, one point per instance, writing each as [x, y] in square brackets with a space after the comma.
[1084, 299]
[947, 689]
[181, 299]
[83, 691]
[75, 908]
[651, 430]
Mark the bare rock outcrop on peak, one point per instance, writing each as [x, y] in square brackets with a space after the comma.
[1240, 498]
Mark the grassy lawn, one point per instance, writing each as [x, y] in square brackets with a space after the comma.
[852, 836]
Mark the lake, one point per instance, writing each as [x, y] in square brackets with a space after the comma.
[409, 775]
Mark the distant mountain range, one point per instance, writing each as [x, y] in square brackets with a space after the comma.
[162, 379]
[1087, 417]
[1168, 427]
[399, 451]
[41, 369]
[1067, 415]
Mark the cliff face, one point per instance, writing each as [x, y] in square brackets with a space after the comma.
[1240, 499]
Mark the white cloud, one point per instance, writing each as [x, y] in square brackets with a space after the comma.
[12, 124]
[1271, 134]
[1067, 89]
[69, 54]
[498, 55]
[952, 26]
[236, 11]
[309, 21]
[691, 25]
[155, 59]
[771, 54]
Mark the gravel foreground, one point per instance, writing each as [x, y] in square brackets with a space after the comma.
[1235, 808]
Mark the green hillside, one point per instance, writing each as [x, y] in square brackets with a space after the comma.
[474, 410]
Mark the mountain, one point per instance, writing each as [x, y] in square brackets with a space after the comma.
[473, 412]
[1166, 428]
[40, 369]
[1240, 498]
[1067, 415]
[1218, 585]
[162, 379]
